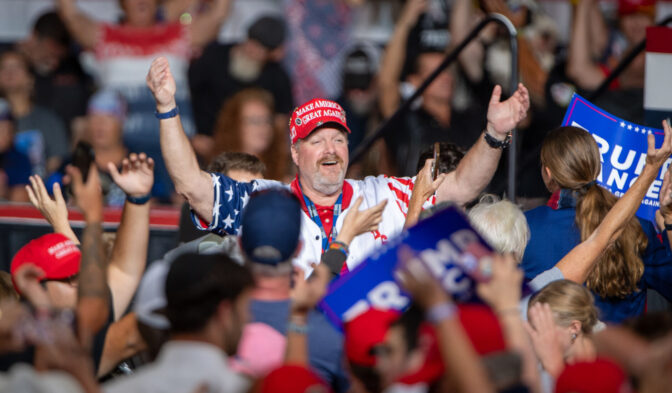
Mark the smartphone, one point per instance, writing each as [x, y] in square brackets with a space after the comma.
[435, 165]
[82, 157]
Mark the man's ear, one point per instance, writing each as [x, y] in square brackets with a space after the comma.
[294, 149]
[548, 173]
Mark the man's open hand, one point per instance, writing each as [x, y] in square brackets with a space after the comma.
[162, 84]
[137, 174]
[54, 210]
[504, 116]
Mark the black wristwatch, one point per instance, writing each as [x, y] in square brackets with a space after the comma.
[495, 143]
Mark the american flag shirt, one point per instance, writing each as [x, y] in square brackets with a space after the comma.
[230, 198]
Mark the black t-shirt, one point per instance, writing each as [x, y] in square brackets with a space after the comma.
[418, 130]
[68, 80]
[7, 360]
[211, 84]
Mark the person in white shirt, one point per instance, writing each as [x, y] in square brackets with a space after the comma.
[207, 305]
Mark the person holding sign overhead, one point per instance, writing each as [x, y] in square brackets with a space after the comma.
[635, 261]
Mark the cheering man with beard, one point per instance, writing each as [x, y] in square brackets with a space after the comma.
[319, 137]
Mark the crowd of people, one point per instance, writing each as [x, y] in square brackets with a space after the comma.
[152, 110]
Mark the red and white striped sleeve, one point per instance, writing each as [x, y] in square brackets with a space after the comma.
[402, 188]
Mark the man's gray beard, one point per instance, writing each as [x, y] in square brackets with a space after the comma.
[323, 186]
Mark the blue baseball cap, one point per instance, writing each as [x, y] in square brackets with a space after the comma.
[271, 226]
[108, 102]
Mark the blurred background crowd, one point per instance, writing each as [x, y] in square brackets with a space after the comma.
[242, 66]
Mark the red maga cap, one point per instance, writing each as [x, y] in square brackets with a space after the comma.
[291, 379]
[364, 332]
[481, 326]
[627, 7]
[54, 253]
[313, 114]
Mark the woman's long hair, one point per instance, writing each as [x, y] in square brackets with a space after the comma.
[573, 158]
[228, 127]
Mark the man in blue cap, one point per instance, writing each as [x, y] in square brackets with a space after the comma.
[269, 240]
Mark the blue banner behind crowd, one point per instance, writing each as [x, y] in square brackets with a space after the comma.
[623, 148]
[445, 243]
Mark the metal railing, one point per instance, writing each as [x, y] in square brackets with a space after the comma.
[366, 144]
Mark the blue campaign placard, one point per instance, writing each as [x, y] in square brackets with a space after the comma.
[443, 243]
[622, 147]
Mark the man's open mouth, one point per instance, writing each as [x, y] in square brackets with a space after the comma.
[330, 163]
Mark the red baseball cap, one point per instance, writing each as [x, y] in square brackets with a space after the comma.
[364, 332]
[628, 7]
[481, 326]
[292, 379]
[314, 114]
[54, 253]
[599, 376]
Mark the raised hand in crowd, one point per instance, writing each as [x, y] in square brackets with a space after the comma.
[194, 184]
[395, 52]
[305, 295]
[503, 116]
[137, 175]
[92, 294]
[129, 254]
[423, 188]
[424, 289]
[546, 338]
[162, 84]
[27, 280]
[54, 210]
[503, 294]
[576, 265]
[358, 221]
[307, 292]
[502, 291]
[62, 352]
[476, 169]
[454, 344]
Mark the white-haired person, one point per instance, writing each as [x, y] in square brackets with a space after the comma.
[502, 224]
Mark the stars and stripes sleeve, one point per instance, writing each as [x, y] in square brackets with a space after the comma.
[229, 200]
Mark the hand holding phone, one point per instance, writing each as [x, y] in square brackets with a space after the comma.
[435, 165]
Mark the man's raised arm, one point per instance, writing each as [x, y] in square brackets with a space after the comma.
[479, 164]
[190, 181]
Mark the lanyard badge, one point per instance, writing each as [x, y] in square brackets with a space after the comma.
[312, 211]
